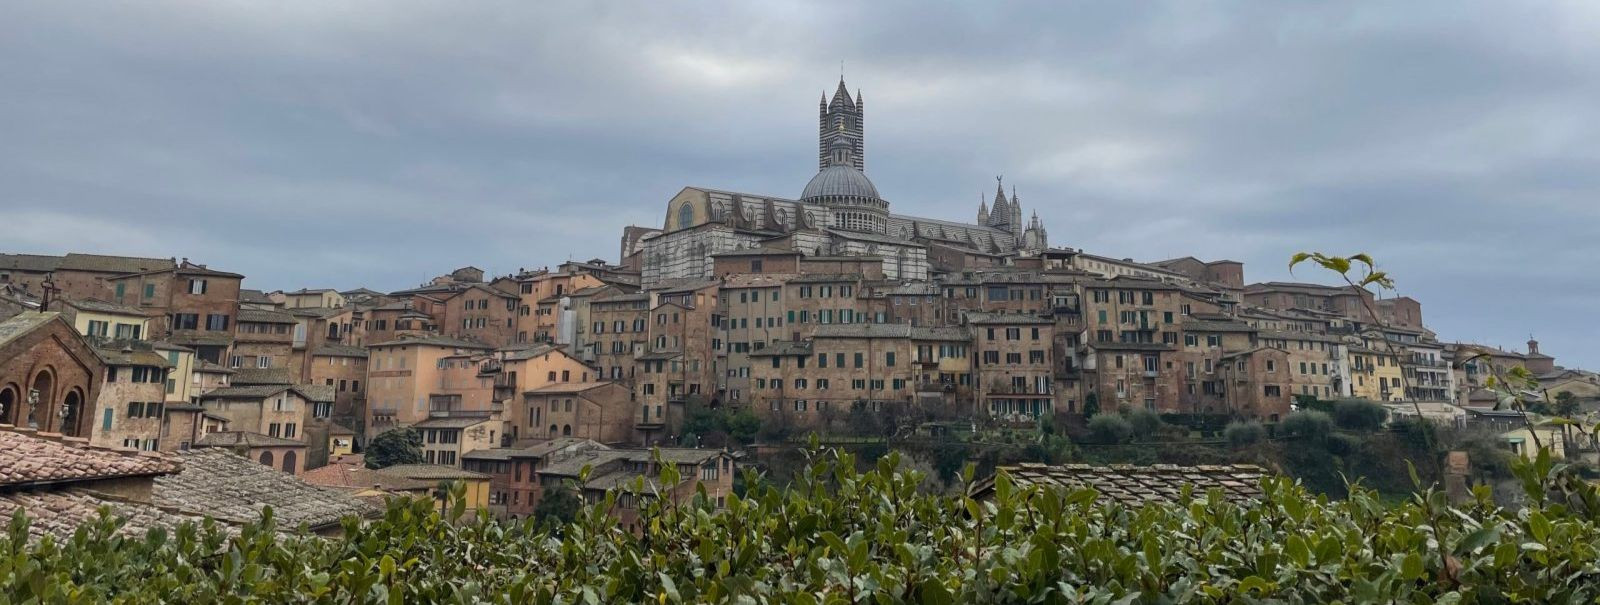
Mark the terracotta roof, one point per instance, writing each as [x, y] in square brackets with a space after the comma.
[539, 449]
[28, 458]
[245, 392]
[453, 422]
[23, 323]
[323, 393]
[202, 365]
[430, 472]
[339, 351]
[1136, 485]
[569, 387]
[783, 348]
[33, 263]
[262, 316]
[228, 487]
[58, 513]
[263, 376]
[113, 264]
[245, 439]
[254, 297]
[1006, 318]
[353, 476]
[193, 338]
[433, 340]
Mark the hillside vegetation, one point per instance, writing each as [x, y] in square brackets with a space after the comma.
[836, 535]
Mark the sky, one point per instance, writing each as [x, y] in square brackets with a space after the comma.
[378, 143]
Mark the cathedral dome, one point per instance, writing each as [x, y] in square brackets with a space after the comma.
[839, 181]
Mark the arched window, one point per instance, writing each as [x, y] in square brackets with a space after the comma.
[44, 384]
[553, 430]
[685, 215]
[266, 458]
[289, 461]
[72, 413]
[566, 430]
[8, 404]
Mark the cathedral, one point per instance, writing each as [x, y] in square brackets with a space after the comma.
[839, 213]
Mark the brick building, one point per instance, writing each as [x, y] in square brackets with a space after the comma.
[49, 375]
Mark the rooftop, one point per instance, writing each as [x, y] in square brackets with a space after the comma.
[245, 439]
[228, 487]
[430, 472]
[1131, 485]
[28, 458]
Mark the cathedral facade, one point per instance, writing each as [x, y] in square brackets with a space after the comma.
[839, 213]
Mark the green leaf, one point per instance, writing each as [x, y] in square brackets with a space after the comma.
[1411, 566]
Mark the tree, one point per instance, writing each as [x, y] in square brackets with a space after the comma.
[1242, 433]
[394, 446]
[1145, 423]
[1091, 405]
[1566, 404]
[1309, 425]
[1359, 415]
[1110, 429]
[559, 505]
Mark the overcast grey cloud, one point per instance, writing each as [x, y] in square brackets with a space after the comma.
[378, 143]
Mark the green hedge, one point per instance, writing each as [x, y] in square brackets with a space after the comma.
[839, 536]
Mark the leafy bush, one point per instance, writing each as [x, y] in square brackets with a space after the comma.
[1110, 429]
[1310, 425]
[1145, 423]
[559, 505]
[394, 446]
[1242, 433]
[1359, 415]
[839, 536]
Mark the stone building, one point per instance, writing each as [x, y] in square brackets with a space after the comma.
[131, 402]
[196, 306]
[446, 438]
[514, 486]
[1256, 383]
[1013, 365]
[840, 212]
[263, 340]
[620, 333]
[102, 321]
[601, 411]
[49, 375]
[403, 374]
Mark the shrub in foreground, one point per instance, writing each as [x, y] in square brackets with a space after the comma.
[839, 536]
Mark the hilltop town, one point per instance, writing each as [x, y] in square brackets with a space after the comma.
[825, 314]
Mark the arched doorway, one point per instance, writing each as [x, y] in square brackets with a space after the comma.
[9, 400]
[289, 462]
[566, 430]
[553, 430]
[44, 384]
[72, 413]
[266, 458]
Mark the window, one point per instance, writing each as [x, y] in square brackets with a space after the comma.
[185, 321]
[888, 359]
[217, 323]
[97, 328]
[1272, 390]
[859, 360]
[197, 286]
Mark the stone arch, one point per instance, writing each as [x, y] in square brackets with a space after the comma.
[10, 399]
[553, 430]
[566, 430]
[44, 383]
[289, 460]
[266, 458]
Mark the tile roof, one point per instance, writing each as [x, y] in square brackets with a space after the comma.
[129, 356]
[433, 340]
[569, 387]
[1131, 485]
[33, 263]
[322, 393]
[453, 422]
[254, 297]
[197, 338]
[784, 348]
[113, 264]
[339, 351]
[101, 306]
[29, 458]
[263, 316]
[246, 392]
[530, 352]
[862, 331]
[244, 439]
[263, 376]
[977, 317]
[354, 476]
[58, 513]
[202, 365]
[228, 487]
[430, 472]
[538, 449]
[23, 323]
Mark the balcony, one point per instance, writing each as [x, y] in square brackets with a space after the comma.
[1152, 373]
